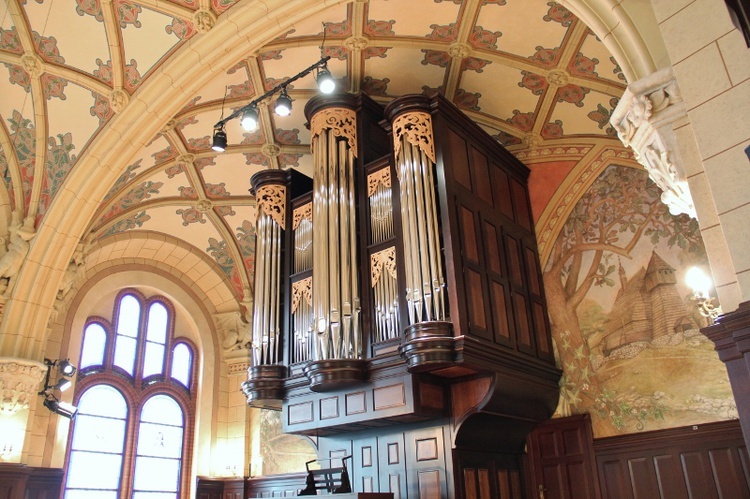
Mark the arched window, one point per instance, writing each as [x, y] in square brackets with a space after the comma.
[135, 397]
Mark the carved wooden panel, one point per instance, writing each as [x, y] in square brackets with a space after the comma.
[460, 160]
[329, 408]
[480, 176]
[356, 403]
[300, 413]
[389, 396]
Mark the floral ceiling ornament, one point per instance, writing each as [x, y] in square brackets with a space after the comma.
[459, 50]
[270, 150]
[118, 100]
[32, 65]
[356, 43]
[204, 20]
[558, 78]
[644, 120]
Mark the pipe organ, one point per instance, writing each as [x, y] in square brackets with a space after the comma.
[398, 291]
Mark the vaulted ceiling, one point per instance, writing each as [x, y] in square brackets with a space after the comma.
[528, 71]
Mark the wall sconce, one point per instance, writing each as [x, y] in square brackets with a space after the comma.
[6, 451]
[701, 284]
[52, 402]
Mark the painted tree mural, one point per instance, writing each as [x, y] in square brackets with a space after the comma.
[621, 208]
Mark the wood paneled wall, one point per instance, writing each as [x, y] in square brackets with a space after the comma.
[705, 461]
[18, 481]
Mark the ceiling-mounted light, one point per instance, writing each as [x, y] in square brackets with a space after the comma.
[220, 139]
[326, 84]
[249, 120]
[66, 368]
[59, 407]
[283, 104]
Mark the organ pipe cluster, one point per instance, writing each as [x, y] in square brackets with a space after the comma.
[415, 167]
[271, 203]
[335, 289]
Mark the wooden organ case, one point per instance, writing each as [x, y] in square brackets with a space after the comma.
[399, 310]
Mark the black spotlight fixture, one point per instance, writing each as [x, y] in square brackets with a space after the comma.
[249, 120]
[59, 407]
[325, 81]
[51, 402]
[283, 104]
[248, 114]
[220, 139]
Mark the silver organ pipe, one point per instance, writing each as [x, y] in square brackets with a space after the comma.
[271, 201]
[381, 206]
[415, 167]
[335, 286]
[383, 281]
[302, 321]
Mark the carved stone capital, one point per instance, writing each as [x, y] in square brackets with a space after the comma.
[19, 383]
[204, 20]
[644, 120]
[32, 65]
[235, 335]
[118, 100]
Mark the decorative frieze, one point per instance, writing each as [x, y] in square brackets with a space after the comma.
[644, 120]
[19, 383]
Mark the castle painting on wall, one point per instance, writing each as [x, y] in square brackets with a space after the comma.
[626, 332]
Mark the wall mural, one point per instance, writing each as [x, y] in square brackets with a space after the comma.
[626, 335]
[280, 452]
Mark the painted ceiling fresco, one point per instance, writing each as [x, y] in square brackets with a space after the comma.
[528, 71]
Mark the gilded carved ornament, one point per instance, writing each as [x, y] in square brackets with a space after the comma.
[300, 213]
[301, 289]
[382, 176]
[416, 128]
[271, 200]
[341, 121]
[385, 259]
[19, 383]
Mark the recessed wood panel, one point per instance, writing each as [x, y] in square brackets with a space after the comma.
[726, 474]
[501, 191]
[366, 456]
[389, 396]
[475, 296]
[394, 483]
[494, 264]
[499, 311]
[427, 449]
[503, 483]
[645, 485]
[572, 445]
[356, 403]
[484, 483]
[469, 240]
[520, 204]
[533, 272]
[522, 319]
[337, 456]
[514, 261]
[548, 448]
[460, 159]
[393, 453]
[300, 413]
[429, 484]
[480, 175]
[367, 484]
[431, 396]
[669, 476]
[470, 483]
[329, 408]
[693, 465]
[543, 338]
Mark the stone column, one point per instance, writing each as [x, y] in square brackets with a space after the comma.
[731, 337]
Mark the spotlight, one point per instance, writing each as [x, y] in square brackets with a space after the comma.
[283, 104]
[59, 407]
[249, 119]
[326, 84]
[66, 368]
[62, 384]
[220, 139]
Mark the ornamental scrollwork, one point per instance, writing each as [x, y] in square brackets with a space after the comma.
[300, 213]
[301, 289]
[416, 128]
[19, 383]
[271, 200]
[382, 176]
[385, 259]
[341, 121]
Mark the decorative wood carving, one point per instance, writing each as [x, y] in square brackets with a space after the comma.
[300, 213]
[301, 289]
[341, 121]
[385, 259]
[416, 127]
[382, 176]
[271, 200]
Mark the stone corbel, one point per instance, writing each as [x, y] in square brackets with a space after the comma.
[235, 334]
[19, 383]
[645, 119]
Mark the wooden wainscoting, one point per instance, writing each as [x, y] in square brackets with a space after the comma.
[18, 481]
[708, 460]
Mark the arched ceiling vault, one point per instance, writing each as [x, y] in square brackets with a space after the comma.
[108, 106]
